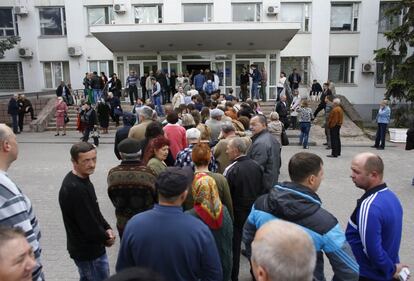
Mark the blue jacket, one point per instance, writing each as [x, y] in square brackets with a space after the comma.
[178, 246]
[374, 233]
[298, 204]
[199, 80]
[384, 115]
[256, 76]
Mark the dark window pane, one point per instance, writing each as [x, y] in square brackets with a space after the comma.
[11, 76]
[50, 21]
[6, 18]
[338, 70]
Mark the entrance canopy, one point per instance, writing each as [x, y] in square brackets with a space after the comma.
[195, 36]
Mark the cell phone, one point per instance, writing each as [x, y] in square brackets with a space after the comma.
[404, 274]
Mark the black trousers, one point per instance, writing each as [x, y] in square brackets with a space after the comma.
[21, 121]
[319, 108]
[133, 93]
[335, 140]
[240, 217]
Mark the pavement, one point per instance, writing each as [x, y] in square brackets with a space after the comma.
[44, 160]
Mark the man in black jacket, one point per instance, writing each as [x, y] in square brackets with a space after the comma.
[245, 181]
[87, 231]
[88, 118]
[13, 110]
[282, 110]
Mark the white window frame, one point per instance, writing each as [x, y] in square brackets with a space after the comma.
[53, 73]
[306, 23]
[354, 18]
[208, 6]
[352, 60]
[258, 11]
[400, 18]
[99, 70]
[304, 70]
[159, 8]
[14, 28]
[63, 17]
[108, 10]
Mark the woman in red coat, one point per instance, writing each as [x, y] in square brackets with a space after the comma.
[61, 110]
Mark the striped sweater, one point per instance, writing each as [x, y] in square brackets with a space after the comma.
[16, 210]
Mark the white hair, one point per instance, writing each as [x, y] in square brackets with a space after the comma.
[285, 251]
[337, 101]
[193, 134]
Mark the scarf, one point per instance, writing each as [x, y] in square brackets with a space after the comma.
[207, 202]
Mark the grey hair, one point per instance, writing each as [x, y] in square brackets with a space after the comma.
[285, 251]
[337, 101]
[274, 116]
[193, 134]
[146, 112]
[239, 144]
[227, 127]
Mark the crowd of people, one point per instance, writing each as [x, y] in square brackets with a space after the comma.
[199, 188]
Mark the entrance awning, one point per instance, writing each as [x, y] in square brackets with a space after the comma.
[195, 36]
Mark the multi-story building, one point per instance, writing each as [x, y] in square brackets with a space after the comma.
[63, 39]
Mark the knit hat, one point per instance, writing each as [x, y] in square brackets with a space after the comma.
[173, 181]
[130, 146]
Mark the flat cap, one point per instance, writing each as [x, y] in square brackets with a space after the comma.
[173, 181]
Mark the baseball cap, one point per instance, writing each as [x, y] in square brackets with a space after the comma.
[173, 181]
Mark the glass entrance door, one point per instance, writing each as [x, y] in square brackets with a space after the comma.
[260, 66]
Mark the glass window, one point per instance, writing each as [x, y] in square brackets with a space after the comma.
[239, 68]
[287, 64]
[100, 15]
[52, 21]
[55, 72]
[8, 22]
[101, 66]
[148, 14]
[296, 12]
[246, 12]
[341, 69]
[341, 17]
[11, 76]
[197, 12]
[387, 23]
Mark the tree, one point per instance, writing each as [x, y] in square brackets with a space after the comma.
[398, 58]
[8, 43]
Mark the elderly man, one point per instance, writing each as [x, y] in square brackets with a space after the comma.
[184, 248]
[335, 120]
[215, 123]
[145, 117]
[375, 227]
[265, 150]
[184, 156]
[298, 202]
[245, 181]
[15, 208]
[130, 184]
[282, 251]
[227, 132]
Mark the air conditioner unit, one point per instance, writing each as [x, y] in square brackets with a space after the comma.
[273, 10]
[119, 8]
[367, 68]
[21, 10]
[75, 51]
[25, 53]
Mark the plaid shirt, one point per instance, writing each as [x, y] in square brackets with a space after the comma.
[184, 159]
[16, 210]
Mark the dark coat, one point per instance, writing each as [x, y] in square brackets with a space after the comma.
[265, 150]
[59, 90]
[13, 107]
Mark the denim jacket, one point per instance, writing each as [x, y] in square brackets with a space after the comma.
[384, 115]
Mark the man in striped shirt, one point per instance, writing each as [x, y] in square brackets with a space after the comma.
[15, 208]
[131, 84]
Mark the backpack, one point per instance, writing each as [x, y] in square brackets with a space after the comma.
[209, 88]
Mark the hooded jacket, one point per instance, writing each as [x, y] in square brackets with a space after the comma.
[299, 205]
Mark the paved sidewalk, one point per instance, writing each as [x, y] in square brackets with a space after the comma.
[44, 160]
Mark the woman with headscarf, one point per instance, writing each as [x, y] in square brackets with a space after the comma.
[156, 153]
[209, 209]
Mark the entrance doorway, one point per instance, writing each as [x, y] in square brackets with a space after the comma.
[196, 66]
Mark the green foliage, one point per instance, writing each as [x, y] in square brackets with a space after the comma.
[398, 59]
[8, 43]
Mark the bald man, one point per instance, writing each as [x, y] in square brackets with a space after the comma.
[282, 251]
[374, 229]
[15, 208]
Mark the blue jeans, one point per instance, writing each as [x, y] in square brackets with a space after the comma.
[96, 95]
[380, 138]
[255, 90]
[15, 123]
[93, 270]
[304, 133]
[158, 107]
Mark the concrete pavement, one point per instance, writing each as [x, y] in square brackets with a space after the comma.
[44, 160]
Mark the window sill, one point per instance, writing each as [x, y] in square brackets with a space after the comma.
[304, 32]
[51, 36]
[89, 36]
[345, 85]
[344, 32]
[380, 86]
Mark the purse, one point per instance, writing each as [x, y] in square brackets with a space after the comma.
[284, 137]
[66, 118]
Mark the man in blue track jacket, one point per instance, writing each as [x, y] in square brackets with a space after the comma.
[297, 202]
[374, 229]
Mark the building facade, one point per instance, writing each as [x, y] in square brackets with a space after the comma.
[63, 39]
